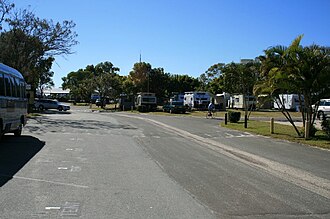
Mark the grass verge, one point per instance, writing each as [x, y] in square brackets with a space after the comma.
[285, 132]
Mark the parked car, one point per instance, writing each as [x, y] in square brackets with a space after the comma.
[174, 107]
[324, 108]
[43, 104]
[100, 103]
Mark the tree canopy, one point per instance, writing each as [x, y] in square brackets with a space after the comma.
[30, 43]
[296, 69]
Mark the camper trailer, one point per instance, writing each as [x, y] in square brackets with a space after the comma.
[126, 102]
[290, 101]
[197, 99]
[221, 100]
[239, 102]
[146, 102]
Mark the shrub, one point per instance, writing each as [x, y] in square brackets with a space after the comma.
[312, 131]
[326, 127]
[234, 117]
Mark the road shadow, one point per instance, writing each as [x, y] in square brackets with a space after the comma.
[41, 125]
[52, 112]
[15, 152]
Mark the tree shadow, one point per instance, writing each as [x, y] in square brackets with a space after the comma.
[15, 152]
[52, 112]
[44, 125]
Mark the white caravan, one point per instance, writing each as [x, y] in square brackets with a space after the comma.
[146, 102]
[290, 102]
[197, 99]
[238, 102]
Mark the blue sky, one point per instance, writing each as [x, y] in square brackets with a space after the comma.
[181, 36]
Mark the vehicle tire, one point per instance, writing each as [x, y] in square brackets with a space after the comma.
[18, 132]
[41, 108]
[60, 108]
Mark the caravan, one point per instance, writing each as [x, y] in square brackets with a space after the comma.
[196, 99]
[290, 102]
[146, 102]
[239, 102]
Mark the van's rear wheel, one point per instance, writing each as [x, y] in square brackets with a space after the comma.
[18, 132]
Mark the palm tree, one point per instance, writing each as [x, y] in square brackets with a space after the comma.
[274, 80]
[298, 69]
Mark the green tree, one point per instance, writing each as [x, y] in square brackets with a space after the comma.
[106, 80]
[158, 82]
[303, 70]
[240, 78]
[140, 76]
[274, 82]
[80, 84]
[212, 80]
[30, 42]
[5, 8]
[182, 83]
[103, 78]
[45, 77]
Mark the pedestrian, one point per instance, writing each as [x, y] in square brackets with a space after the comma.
[210, 108]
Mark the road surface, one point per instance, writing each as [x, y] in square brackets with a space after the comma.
[121, 165]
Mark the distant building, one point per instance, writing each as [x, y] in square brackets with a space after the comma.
[246, 61]
[57, 93]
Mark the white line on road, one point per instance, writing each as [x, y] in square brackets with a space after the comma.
[52, 208]
[47, 181]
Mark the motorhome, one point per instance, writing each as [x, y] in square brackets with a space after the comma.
[290, 102]
[243, 101]
[146, 102]
[197, 99]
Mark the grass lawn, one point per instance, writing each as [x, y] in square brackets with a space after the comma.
[285, 132]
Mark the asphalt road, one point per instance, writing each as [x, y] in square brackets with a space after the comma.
[120, 165]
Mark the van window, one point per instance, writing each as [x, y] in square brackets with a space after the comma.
[8, 85]
[22, 89]
[2, 85]
[14, 87]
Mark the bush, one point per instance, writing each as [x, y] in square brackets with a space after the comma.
[312, 131]
[326, 127]
[234, 117]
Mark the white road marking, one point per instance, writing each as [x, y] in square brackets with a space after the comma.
[48, 181]
[52, 208]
